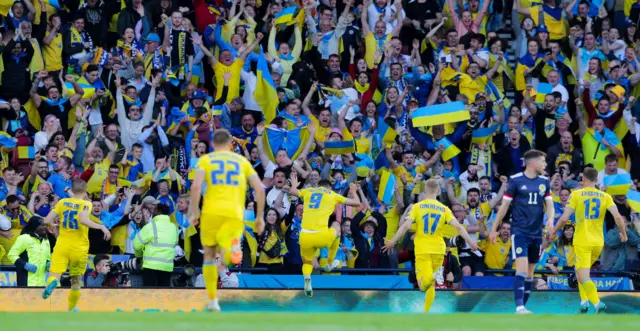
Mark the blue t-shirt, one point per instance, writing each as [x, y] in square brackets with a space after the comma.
[516, 159]
[59, 185]
[527, 197]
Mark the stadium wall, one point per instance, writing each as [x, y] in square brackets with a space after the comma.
[188, 300]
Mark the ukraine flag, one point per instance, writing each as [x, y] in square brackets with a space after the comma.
[265, 93]
[542, 91]
[6, 140]
[387, 133]
[450, 150]
[440, 114]
[481, 135]
[387, 186]
[617, 184]
[339, 147]
[633, 198]
[285, 15]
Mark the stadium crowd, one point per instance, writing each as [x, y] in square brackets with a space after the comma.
[386, 94]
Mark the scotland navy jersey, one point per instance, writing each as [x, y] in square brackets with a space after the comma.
[527, 205]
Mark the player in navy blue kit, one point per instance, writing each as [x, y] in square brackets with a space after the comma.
[527, 193]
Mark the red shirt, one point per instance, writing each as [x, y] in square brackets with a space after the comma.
[203, 16]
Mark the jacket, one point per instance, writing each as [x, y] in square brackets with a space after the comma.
[156, 243]
[365, 251]
[31, 249]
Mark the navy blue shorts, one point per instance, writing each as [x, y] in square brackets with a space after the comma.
[524, 246]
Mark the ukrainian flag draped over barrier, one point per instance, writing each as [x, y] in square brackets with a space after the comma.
[265, 94]
[617, 184]
[387, 185]
[440, 114]
[292, 141]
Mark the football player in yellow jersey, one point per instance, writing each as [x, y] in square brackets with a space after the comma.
[590, 206]
[430, 216]
[319, 204]
[225, 175]
[72, 246]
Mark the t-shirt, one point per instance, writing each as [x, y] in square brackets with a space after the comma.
[590, 206]
[319, 204]
[226, 177]
[72, 232]
[234, 82]
[527, 208]
[53, 53]
[430, 216]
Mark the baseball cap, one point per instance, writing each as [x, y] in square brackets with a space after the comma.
[542, 28]
[199, 94]
[152, 37]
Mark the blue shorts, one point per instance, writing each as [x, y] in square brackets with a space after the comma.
[523, 246]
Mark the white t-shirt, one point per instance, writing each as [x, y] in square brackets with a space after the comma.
[563, 91]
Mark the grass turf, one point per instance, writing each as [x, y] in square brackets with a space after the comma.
[311, 322]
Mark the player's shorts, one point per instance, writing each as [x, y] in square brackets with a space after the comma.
[66, 256]
[586, 256]
[220, 232]
[311, 241]
[426, 265]
[523, 246]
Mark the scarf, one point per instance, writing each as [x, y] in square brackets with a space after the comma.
[59, 103]
[287, 57]
[131, 102]
[362, 89]
[565, 156]
[369, 240]
[323, 44]
[18, 57]
[133, 50]
[79, 38]
[482, 157]
[182, 52]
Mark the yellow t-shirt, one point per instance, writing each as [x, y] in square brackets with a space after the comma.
[557, 28]
[430, 216]
[322, 133]
[100, 173]
[319, 204]
[372, 45]
[495, 255]
[72, 232]
[53, 53]
[234, 82]
[590, 206]
[226, 176]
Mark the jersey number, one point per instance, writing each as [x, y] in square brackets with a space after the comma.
[533, 198]
[70, 222]
[592, 209]
[314, 200]
[229, 168]
[434, 219]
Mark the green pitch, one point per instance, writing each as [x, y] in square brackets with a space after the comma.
[311, 322]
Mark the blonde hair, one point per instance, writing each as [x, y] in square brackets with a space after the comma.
[431, 186]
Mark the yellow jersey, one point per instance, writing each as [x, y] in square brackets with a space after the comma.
[430, 216]
[72, 232]
[234, 82]
[226, 176]
[100, 173]
[590, 207]
[495, 255]
[53, 53]
[319, 204]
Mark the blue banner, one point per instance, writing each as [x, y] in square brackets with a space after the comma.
[603, 284]
[370, 282]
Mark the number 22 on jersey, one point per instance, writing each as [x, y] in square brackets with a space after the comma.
[226, 173]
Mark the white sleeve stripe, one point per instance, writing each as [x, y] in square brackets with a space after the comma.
[504, 197]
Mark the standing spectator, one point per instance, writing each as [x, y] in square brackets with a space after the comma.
[31, 254]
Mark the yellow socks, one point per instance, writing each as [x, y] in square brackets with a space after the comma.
[591, 291]
[74, 297]
[210, 273]
[333, 250]
[307, 269]
[583, 294]
[429, 296]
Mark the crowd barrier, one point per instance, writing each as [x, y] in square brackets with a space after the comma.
[191, 300]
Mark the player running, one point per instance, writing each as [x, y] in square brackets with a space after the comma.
[430, 216]
[222, 221]
[72, 246]
[590, 206]
[319, 204]
[528, 191]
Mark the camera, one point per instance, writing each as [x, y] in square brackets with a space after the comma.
[455, 242]
[50, 197]
[124, 266]
[572, 281]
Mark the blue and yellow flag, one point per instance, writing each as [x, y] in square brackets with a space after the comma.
[285, 15]
[481, 135]
[265, 94]
[292, 141]
[387, 186]
[339, 147]
[542, 91]
[450, 150]
[52, 3]
[440, 114]
[364, 166]
[633, 199]
[213, 10]
[617, 184]
[26, 152]
[6, 140]
[387, 134]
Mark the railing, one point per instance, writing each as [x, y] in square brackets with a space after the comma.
[390, 271]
